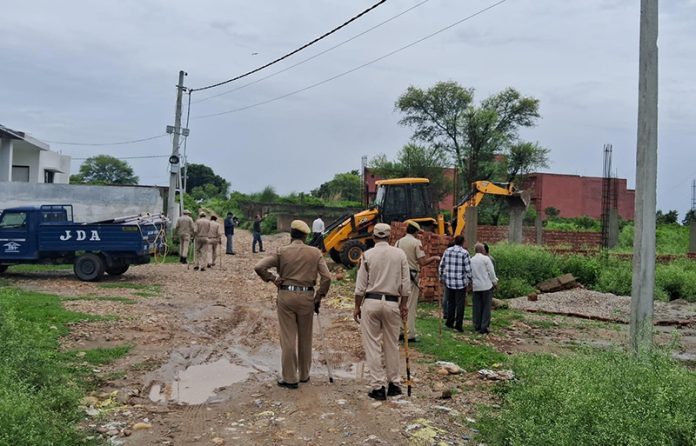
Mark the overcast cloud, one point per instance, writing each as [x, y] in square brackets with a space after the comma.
[98, 71]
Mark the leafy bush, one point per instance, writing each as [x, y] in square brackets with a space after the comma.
[576, 224]
[669, 239]
[615, 277]
[512, 287]
[595, 398]
[676, 281]
[524, 263]
[585, 269]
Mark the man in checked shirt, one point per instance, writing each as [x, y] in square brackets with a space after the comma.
[455, 273]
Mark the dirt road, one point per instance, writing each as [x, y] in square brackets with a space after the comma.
[204, 358]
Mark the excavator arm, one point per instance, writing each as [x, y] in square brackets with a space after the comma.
[482, 188]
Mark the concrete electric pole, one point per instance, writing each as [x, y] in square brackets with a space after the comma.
[646, 183]
[175, 159]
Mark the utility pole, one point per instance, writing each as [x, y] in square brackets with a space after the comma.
[643, 284]
[175, 159]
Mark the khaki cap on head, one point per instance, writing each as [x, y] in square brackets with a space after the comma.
[413, 223]
[301, 226]
[202, 214]
[187, 212]
[381, 230]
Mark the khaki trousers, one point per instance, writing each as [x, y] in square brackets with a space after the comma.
[379, 325]
[201, 252]
[184, 242]
[214, 250]
[412, 309]
[295, 318]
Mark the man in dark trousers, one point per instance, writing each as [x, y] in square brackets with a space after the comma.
[455, 273]
[256, 234]
[230, 222]
[297, 266]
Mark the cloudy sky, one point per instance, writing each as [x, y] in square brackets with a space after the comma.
[104, 71]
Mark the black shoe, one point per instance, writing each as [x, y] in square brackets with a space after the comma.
[184, 261]
[459, 329]
[288, 385]
[378, 394]
[262, 250]
[484, 331]
[304, 381]
[401, 337]
[412, 340]
[253, 252]
[195, 268]
[449, 326]
[393, 390]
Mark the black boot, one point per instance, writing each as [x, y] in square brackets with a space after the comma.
[378, 394]
[182, 260]
[393, 390]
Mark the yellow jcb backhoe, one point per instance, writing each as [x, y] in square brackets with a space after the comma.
[402, 199]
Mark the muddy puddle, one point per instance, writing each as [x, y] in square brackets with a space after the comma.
[199, 383]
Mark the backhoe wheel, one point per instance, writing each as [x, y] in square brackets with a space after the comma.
[3, 268]
[352, 252]
[89, 267]
[116, 270]
[335, 256]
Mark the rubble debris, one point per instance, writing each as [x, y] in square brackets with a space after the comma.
[496, 375]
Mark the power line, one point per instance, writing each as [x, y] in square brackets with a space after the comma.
[306, 45]
[309, 87]
[127, 157]
[117, 143]
[315, 56]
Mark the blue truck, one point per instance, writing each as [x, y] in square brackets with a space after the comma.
[47, 234]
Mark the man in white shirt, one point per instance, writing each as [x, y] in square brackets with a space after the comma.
[483, 281]
[317, 227]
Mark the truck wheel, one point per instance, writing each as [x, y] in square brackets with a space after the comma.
[89, 267]
[335, 256]
[3, 268]
[116, 270]
[352, 252]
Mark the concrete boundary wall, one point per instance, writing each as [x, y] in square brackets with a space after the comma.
[90, 203]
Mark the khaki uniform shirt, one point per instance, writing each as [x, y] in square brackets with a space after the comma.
[214, 231]
[297, 264]
[184, 226]
[383, 270]
[413, 249]
[202, 227]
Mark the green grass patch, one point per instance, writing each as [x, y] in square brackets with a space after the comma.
[594, 398]
[140, 289]
[39, 394]
[104, 356]
[123, 300]
[454, 346]
[31, 268]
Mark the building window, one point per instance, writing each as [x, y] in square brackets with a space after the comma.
[49, 176]
[20, 174]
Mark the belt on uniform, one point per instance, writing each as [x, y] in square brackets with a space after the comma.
[379, 296]
[296, 288]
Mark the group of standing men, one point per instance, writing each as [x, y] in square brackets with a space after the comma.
[386, 296]
[207, 236]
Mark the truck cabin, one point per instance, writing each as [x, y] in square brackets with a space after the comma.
[19, 218]
[404, 198]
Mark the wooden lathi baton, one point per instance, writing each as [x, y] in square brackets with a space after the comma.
[408, 365]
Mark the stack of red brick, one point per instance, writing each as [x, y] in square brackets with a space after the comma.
[433, 245]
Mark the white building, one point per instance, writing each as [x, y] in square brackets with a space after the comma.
[26, 159]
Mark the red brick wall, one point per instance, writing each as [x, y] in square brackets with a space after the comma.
[576, 196]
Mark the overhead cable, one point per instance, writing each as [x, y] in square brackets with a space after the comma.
[321, 53]
[391, 53]
[126, 157]
[306, 45]
[117, 143]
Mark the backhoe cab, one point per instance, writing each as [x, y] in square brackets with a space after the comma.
[402, 199]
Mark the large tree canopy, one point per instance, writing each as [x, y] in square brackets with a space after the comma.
[416, 161]
[343, 187]
[205, 182]
[477, 137]
[104, 169]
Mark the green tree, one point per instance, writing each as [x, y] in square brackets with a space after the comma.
[477, 137]
[104, 169]
[689, 217]
[343, 187]
[417, 161]
[667, 218]
[200, 175]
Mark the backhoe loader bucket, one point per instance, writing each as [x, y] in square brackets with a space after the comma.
[518, 199]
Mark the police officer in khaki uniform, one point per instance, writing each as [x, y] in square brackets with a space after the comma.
[202, 231]
[413, 248]
[382, 288]
[297, 266]
[184, 229]
[214, 239]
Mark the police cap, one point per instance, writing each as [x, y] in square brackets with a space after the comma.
[299, 225]
[381, 230]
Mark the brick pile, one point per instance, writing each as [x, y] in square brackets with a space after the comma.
[433, 245]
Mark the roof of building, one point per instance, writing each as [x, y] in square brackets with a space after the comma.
[8, 133]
